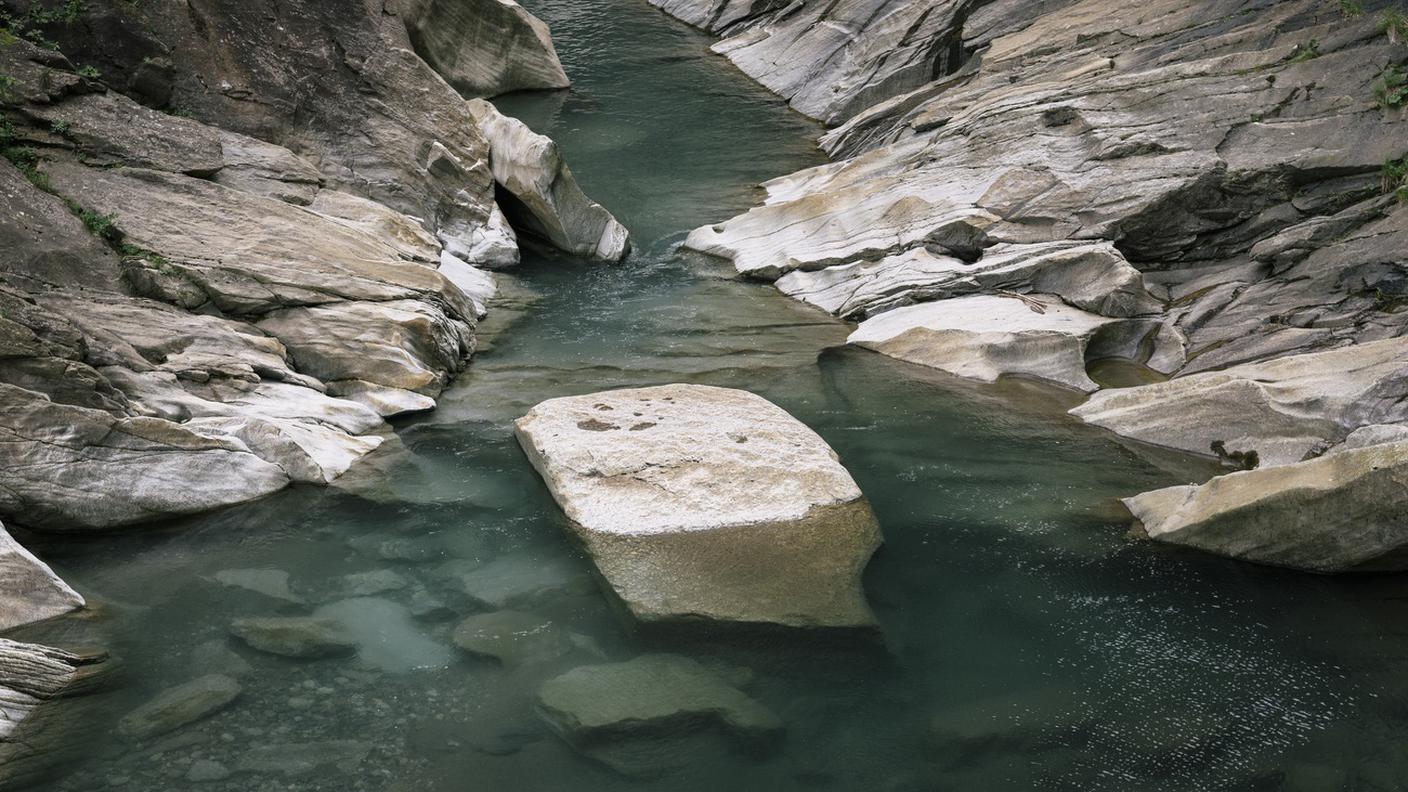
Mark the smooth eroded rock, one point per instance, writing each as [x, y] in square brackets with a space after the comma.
[29, 590]
[547, 202]
[707, 503]
[985, 337]
[484, 47]
[1281, 409]
[1342, 512]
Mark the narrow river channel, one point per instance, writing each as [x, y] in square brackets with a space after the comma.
[1008, 587]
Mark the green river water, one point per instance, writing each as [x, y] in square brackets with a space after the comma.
[1007, 575]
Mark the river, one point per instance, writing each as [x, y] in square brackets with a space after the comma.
[1008, 583]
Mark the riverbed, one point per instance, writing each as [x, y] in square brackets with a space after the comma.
[1009, 587]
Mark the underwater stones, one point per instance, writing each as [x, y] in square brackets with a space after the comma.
[512, 637]
[180, 706]
[386, 637]
[619, 713]
[984, 337]
[302, 759]
[29, 591]
[549, 202]
[269, 582]
[1339, 513]
[295, 636]
[1006, 725]
[703, 503]
[517, 581]
[374, 581]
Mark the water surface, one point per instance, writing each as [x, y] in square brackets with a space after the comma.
[1008, 588]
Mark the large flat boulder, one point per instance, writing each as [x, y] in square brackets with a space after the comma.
[703, 503]
[29, 590]
[1339, 513]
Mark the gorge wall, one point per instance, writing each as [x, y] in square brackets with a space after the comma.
[243, 236]
[1207, 196]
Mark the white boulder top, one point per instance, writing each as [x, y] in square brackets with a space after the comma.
[680, 458]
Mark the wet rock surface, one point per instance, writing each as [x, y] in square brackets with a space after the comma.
[702, 503]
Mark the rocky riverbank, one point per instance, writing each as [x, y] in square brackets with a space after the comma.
[237, 245]
[1208, 196]
[233, 245]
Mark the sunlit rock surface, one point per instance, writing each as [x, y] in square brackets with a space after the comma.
[702, 503]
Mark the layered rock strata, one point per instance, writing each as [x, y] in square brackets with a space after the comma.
[212, 292]
[1209, 177]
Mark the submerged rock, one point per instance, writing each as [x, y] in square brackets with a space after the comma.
[512, 637]
[620, 713]
[484, 47]
[1343, 512]
[707, 503]
[180, 706]
[548, 202]
[295, 636]
[386, 637]
[302, 759]
[269, 582]
[517, 581]
[29, 591]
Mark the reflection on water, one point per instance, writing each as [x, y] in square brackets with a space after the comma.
[1030, 644]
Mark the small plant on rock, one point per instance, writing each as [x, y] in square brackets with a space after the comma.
[1395, 175]
[1395, 24]
[1391, 89]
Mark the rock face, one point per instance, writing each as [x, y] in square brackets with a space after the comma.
[1209, 174]
[607, 711]
[201, 306]
[484, 47]
[29, 591]
[707, 503]
[44, 720]
[1343, 512]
